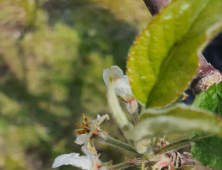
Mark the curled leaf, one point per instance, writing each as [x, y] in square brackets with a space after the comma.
[177, 119]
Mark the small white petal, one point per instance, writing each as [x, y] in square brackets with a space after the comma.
[98, 116]
[84, 162]
[81, 139]
[74, 159]
[113, 71]
[122, 87]
[121, 82]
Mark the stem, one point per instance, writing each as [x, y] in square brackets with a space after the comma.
[143, 162]
[154, 6]
[104, 138]
[116, 109]
[119, 166]
[181, 144]
[206, 76]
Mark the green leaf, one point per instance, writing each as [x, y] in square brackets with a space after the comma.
[177, 119]
[178, 100]
[163, 59]
[211, 99]
[209, 151]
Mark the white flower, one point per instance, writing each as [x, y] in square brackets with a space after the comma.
[122, 87]
[121, 82]
[81, 138]
[88, 162]
[88, 131]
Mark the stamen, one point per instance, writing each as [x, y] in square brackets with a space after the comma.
[84, 127]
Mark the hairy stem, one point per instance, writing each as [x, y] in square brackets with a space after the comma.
[143, 162]
[104, 138]
[116, 109]
[181, 144]
[119, 166]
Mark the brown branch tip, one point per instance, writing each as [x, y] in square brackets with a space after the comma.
[206, 76]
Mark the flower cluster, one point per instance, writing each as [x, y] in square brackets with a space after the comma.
[90, 130]
[87, 132]
[146, 152]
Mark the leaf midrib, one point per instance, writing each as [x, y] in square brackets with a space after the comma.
[172, 49]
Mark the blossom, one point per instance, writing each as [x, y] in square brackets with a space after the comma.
[88, 162]
[122, 87]
[121, 82]
[88, 130]
[85, 129]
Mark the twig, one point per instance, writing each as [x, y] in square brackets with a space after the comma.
[155, 6]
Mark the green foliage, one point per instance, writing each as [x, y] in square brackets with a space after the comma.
[208, 151]
[163, 58]
[211, 99]
[178, 119]
[52, 54]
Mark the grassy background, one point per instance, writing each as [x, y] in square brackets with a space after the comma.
[52, 54]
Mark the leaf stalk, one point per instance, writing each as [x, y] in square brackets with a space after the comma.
[119, 166]
[181, 144]
[104, 138]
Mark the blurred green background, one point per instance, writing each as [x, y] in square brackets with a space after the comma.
[52, 54]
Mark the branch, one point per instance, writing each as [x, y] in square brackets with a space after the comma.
[154, 6]
[206, 76]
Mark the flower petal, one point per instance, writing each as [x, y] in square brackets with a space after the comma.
[122, 87]
[113, 71]
[81, 139]
[74, 159]
[98, 116]
[121, 82]
[93, 157]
